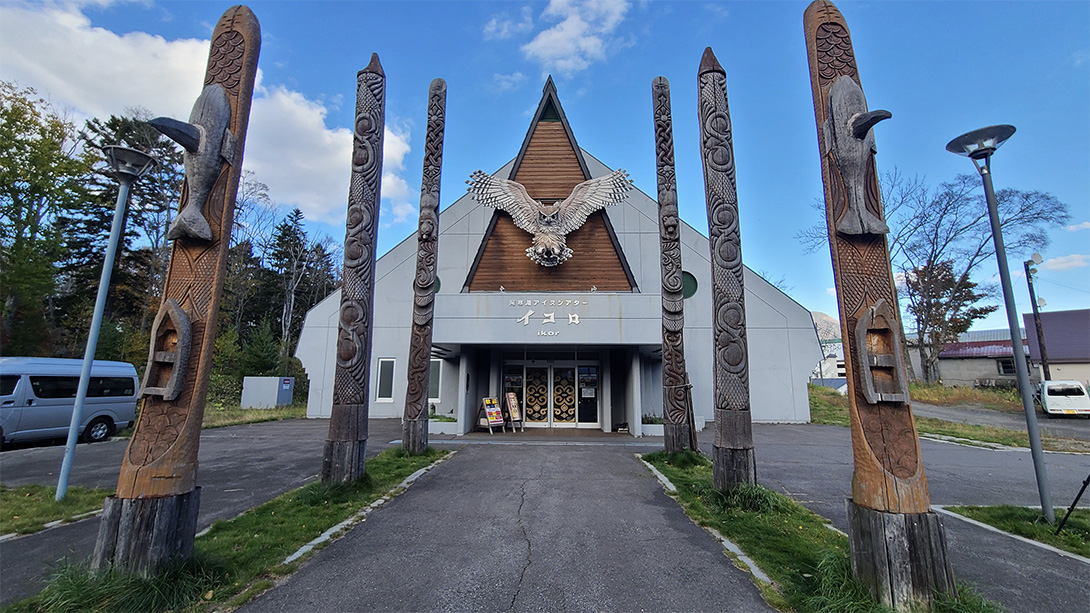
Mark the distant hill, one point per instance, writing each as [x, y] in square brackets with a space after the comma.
[828, 328]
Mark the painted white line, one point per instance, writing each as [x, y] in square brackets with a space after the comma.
[362, 514]
[727, 543]
[942, 509]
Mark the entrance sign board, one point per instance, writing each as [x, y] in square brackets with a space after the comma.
[492, 410]
[513, 407]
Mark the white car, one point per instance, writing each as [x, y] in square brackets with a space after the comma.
[1064, 398]
[38, 395]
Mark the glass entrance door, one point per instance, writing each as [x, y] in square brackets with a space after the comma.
[558, 396]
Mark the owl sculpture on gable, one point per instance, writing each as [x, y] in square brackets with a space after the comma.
[549, 223]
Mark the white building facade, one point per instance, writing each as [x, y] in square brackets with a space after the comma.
[579, 344]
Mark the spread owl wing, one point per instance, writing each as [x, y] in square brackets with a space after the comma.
[589, 196]
[507, 196]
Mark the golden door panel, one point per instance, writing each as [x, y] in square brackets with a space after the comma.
[563, 395]
[537, 394]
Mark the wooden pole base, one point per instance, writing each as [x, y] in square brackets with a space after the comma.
[343, 461]
[676, 437]
[414, 434]
[732, 467]
[143, 535]
[900, 557]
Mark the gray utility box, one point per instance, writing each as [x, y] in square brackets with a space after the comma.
[266, 392]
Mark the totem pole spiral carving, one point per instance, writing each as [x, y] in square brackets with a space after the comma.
[733, 448]
[344, 451]
[677, 402]
[415, 425]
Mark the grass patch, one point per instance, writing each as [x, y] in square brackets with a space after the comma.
[1029, 523]
[27, 508]
[829, 407]
[218, 415]
[999, 399]
[445, 418]
[237, 559]
[76, 588]
[806, 560]
[786, 540]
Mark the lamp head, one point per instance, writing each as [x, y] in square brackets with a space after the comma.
[127, 162]
[982, 143]
[1036, 258]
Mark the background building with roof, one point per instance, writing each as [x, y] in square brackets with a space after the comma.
[1067, 344]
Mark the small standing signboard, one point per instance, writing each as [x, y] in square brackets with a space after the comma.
[513, 411]
[490, 414]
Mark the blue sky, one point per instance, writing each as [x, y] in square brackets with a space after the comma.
[942, 68]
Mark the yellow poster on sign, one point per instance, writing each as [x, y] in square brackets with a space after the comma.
[492, 409]
[513, 407]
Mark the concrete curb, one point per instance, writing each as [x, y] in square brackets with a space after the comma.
[735, 550]
[362, 514]
[1074, 556]
[53, 524]
[968, 442]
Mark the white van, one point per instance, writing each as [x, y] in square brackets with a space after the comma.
[38, 395]
[1064, 398]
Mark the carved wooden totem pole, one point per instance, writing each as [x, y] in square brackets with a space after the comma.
[414, 437]
[343, 456]
[153, 517]
[732, 455]
[677, 395]
[898, 546]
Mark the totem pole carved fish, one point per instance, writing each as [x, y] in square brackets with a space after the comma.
[208, 144]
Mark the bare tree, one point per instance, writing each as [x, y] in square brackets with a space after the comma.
[947, 226]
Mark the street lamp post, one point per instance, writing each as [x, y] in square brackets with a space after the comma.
[130, 165]
[980, 145]
[1046, 373]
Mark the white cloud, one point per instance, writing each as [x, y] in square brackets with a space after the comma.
[1080, 57]
[397, 195]
[501, 27]
[581, 37]
[717, 10]
[507, 82]
[831, 291]
[93, 72]
[1075, 260]
[1078, 226]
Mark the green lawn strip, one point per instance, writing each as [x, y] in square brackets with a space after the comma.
[807, 561]
[236, 559]
[791, 544]
[829, 407]
[220, 416]
[1029, 523]
[27, 508]
[1007, 400]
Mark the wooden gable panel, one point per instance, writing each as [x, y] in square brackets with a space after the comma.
[549, 167]
[595, 261]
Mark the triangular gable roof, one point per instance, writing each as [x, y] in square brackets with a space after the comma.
[550, 165]
[549, 110]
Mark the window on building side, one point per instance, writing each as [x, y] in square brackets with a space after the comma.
[433, 380]
[1005, 366]
[385, 391]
